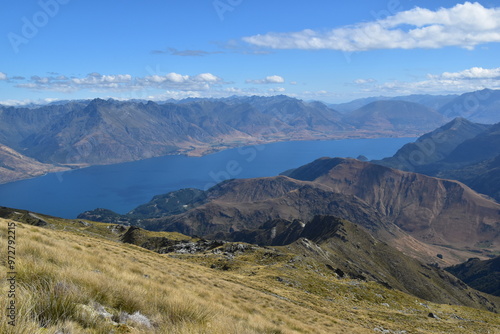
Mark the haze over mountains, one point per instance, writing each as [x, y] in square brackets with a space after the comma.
[71, 134]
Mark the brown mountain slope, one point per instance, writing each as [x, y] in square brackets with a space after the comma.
[432, 210]
[408, 210]
[355, 253]
[247, 203]
[344, 248]
[15, 166]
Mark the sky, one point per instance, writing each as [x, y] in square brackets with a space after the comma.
[332, 51]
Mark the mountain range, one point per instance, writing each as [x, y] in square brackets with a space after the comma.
[479, 106]
[434, 102]
[74, 134]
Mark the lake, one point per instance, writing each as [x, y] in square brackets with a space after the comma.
[124, 186]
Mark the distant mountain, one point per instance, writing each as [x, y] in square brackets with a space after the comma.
[110, 131]
[395, 116]
[433, 146]
[113, 131]
[89, 132]
[480, 106]
[410, 211]
[434, 102]
[486, 145]
[16, 124]
[484, 177]
[460, 150]
[481, 275]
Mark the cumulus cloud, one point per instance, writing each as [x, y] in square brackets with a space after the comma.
[277, 90]
[364, 81]
[96, 79]
[464, 25]
[272, 79]
[468, 80]
[474, 73]
[121, 82]
[201, 81]
[3, 76]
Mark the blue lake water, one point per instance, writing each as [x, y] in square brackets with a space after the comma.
[122, 187]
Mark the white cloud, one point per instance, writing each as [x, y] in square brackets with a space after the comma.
[465, 25]
[364, 81]
[277, 90]
[17, 103]
[121, 82]
[198, 82]
[468, 80]
[94, 79]
[473, 73]
[272, 79]
[174, 94]
[207, 77]
[3, 76]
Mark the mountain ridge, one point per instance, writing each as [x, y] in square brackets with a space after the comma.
[411, 211]
[460, 150]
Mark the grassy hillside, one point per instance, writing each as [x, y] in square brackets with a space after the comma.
[72, 280]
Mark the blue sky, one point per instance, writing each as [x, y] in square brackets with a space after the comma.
[333, 51]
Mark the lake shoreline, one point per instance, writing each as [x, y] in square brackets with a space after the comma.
[123, 186]
[211, 149]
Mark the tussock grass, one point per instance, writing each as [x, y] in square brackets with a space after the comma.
[69, 282]
[61, 277]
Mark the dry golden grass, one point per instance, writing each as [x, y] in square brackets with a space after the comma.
[62, 277]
